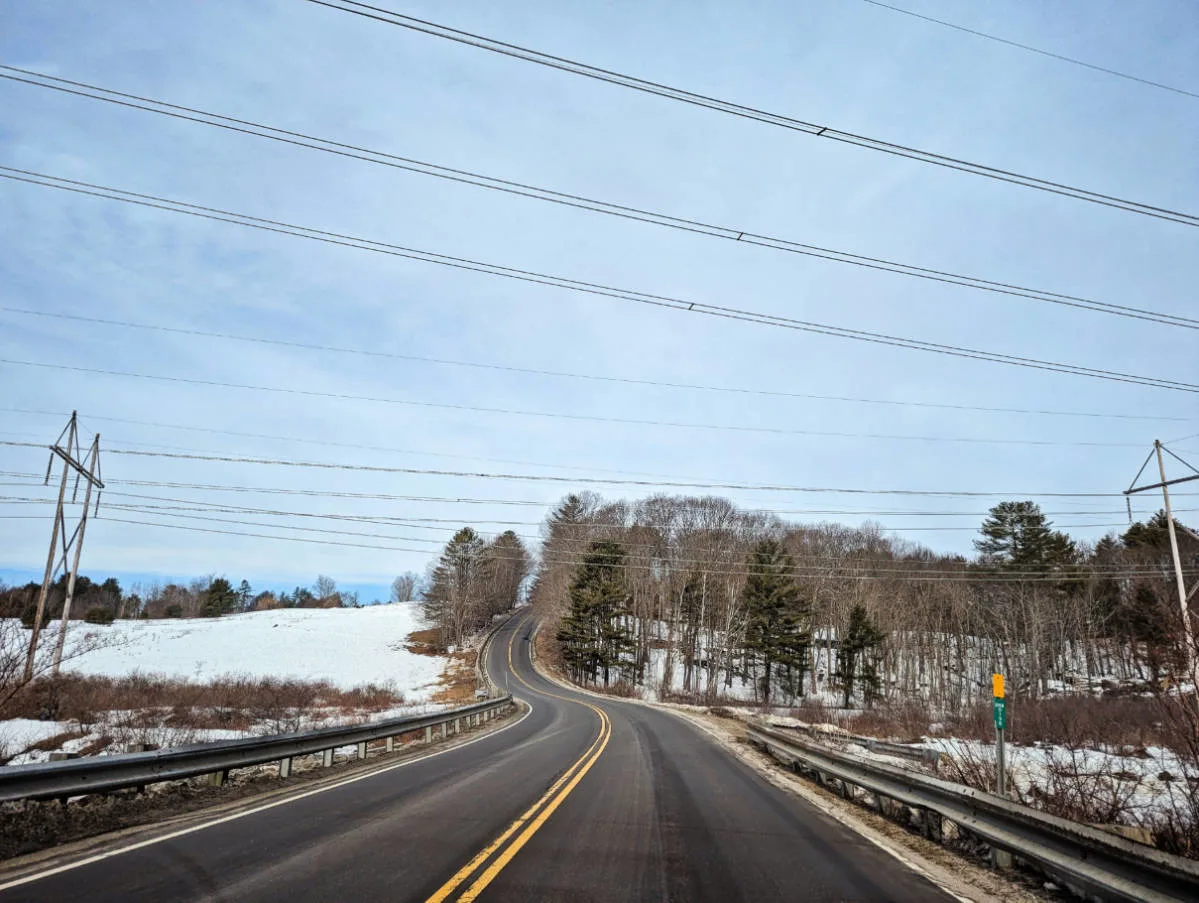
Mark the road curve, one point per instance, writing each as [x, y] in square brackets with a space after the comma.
[582, 800]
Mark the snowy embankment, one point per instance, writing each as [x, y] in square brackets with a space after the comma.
[345, 649]
[1108, 785]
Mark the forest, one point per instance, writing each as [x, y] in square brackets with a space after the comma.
[693, 598]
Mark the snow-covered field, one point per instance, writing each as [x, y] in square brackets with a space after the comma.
[346, 646]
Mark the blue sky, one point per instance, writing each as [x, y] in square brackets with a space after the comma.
[848, 64]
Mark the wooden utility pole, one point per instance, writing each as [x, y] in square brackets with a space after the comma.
[70, 454]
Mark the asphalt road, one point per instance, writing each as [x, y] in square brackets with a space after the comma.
[582, 800]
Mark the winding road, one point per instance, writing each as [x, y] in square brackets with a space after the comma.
[582, 799]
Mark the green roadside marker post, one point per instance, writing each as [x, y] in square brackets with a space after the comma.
[1001, 859]
[999, 710]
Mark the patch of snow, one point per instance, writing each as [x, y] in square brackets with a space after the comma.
[18, 734]
[1033, 765]
[346, 646]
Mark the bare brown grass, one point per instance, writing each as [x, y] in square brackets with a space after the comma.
[425, 642]
[458, 683]
[154, 710]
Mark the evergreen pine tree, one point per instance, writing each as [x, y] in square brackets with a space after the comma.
[777, 616]
[1018, 535]
[856, 655]
[219, 599]
[594, 634]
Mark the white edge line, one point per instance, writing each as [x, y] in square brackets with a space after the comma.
[37, 876]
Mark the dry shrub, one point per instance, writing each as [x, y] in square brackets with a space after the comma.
[370, 698]
[905, 722]
[969, 765]
[622, 688]
[1119, 723]
[1094, 790]
[814, 711]
[686, 697]
[157, 710]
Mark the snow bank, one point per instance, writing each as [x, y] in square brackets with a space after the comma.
[345, 646]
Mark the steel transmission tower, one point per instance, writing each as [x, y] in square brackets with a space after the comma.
[86, 468]
[1184, 596]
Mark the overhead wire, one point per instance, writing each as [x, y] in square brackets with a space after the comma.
[328, 443]
[581, 202]
[197, 512]
[575, 67]
[560, 415]
[897, 574]
[1031, 49]
[697, 307]
[456, 522]
[366, 468]
[507, 368]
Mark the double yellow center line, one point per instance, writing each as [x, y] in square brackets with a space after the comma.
[496, 855]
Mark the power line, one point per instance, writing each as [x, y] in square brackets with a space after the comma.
[339, 349]
[1031, 49]
[581, 202]
[178, 511]
[366, 468]
[326, 442]
[575, 67]
[169, 511]
[896, 575]
[698, 307]
[201, 505]
[556, 415]
[376, 496]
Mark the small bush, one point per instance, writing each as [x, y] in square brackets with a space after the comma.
[97, 614]
[173, 611]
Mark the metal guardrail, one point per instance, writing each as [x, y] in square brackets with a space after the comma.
[482, 679]
[886, 747]
[1089, 861]
[75, 777]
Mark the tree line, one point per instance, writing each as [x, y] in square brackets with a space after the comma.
[705, 600]
[473, 580]
[204, 597]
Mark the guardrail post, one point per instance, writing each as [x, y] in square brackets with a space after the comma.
[457, 726]
[285, 767]
[1001, 859]
[218, 778]
[428, 735]
[445, 729]
[362, 750]
[391, 744]
[327, 758]
[932, 825]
